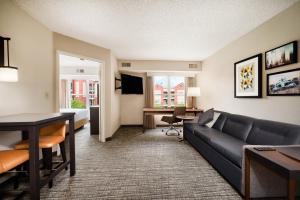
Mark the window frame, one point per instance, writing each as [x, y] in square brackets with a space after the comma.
[169, 96]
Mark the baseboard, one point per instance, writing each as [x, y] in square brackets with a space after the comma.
[110, 138]
[131, 125]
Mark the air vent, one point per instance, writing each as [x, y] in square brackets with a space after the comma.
[126, 64]
[193, 66]
[80, 70]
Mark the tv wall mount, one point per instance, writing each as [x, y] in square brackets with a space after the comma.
[116, 80]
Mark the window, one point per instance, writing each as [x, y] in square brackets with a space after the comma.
[82, 93]
[169, 91]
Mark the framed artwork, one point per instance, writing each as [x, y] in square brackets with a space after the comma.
[248, 77]
[286, 83]
[280, 56]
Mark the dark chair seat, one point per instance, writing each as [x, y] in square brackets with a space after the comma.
[173, 119]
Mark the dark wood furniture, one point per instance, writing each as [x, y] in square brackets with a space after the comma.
[185, 118]
[160, 111]
[283, 165]
[94, 120]
[30, 124]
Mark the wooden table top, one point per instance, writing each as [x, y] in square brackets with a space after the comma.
[185, 117]
[283, 164]
[31, 118]
[169, 110]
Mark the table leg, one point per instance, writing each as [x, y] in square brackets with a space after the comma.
[247, 176]
[34, 171]
[72, 147]
[24, 135]
[291, 188]
[144, 119]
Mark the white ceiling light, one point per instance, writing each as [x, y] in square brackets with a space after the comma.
[7, 73]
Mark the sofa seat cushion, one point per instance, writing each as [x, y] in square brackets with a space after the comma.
[230, 147]
[206, 133]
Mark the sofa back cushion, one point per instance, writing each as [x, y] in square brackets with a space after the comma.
[219, 123]
[265, 132]
[238, 126]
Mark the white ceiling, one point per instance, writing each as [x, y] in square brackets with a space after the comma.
[155, 29]
[70, 65]
[75, 62]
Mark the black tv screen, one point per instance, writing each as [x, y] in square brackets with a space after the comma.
[131, 84]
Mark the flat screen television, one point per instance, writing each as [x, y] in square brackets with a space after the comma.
[131, 84]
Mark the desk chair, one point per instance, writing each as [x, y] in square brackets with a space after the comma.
[171, 120]
[50, 136]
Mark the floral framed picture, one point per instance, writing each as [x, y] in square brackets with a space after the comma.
[248, 77]
[285, 83]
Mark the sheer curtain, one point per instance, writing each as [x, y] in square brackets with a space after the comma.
[149, 102]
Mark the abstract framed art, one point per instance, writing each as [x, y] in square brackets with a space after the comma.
[285, 83]
[248, 77]
[281, 56]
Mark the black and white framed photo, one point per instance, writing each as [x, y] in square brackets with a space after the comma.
[248, 77]
[286, 83]
[280, 56]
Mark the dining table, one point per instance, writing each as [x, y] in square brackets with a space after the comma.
[29, 124]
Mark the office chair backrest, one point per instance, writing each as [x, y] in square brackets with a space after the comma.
[179, 111]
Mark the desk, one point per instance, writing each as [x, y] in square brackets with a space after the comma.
[279, 163]
[184, 118]
[30, 124]
[159, 111]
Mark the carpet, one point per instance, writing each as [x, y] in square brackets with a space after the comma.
[136, 165]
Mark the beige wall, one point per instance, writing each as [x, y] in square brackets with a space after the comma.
[77, 47]
[31, 51]
[115, 97]
[132, 105]
[217, 81]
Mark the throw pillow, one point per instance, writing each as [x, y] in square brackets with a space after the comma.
[206, 117]
[216, 116]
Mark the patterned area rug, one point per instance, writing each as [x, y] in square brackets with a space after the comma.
[136, 165]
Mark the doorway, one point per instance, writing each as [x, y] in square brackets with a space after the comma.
[80, 84]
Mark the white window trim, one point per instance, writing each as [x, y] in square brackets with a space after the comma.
[169, 88]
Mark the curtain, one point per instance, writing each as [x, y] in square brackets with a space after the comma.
[149, 102]
[189, 82]
[63, 93]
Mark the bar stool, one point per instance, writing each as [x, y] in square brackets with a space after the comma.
[12, 159]
[50, 136]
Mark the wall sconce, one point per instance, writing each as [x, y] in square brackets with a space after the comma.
[7, 73]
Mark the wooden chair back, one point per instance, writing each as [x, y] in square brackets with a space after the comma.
[57, 129]
[179, 111]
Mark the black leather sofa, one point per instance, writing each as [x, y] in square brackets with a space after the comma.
[222, 144]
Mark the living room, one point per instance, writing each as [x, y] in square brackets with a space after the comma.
[233, 67]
